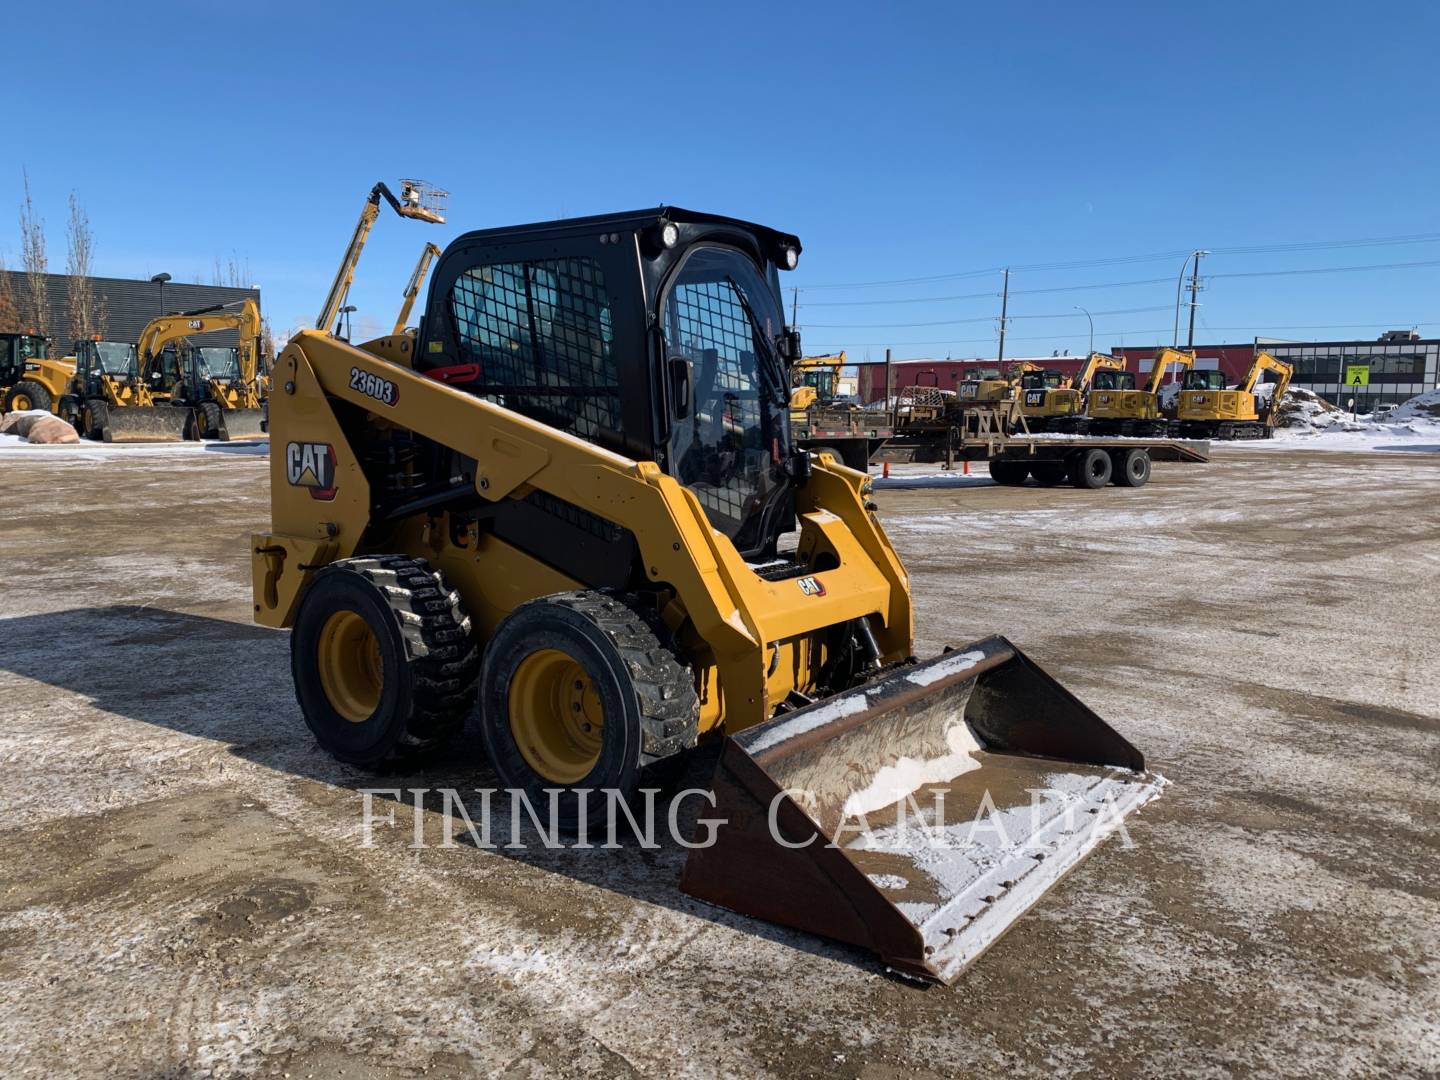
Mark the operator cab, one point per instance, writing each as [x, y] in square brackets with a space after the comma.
[1203, 380]
[659, 334]
[15, 350]
[1042, 380]
[1107, 379]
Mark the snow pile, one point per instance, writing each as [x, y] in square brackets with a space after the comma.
[1301, 408]
[1424, 406]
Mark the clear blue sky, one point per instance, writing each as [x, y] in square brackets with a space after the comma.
[898, 141]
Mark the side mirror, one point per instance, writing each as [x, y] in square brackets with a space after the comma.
[790, 345]
[680, 390]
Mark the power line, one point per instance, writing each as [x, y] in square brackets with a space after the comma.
[1252, 249]
[1126, 284]
[979, 319]
[1118, 333]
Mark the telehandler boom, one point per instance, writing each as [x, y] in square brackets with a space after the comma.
[568, 509]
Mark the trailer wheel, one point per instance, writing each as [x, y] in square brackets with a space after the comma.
[1049, 473]
[1132, 468]
[581, 691]
[1010, 473]
[383, 659]
[28, 394]
[1091, 469]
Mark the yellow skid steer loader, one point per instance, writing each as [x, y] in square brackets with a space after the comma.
[567, 509]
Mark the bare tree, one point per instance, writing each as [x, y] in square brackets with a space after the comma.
[9, 306]
[35, 306]
[86, 312]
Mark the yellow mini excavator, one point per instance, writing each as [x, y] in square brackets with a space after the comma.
[29, 377]
[1051, 403]
[567, 509]
[1116, 407]
[1207, 410]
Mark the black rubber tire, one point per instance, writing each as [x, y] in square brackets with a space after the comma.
[209, 420]
[1131, 468]
[647, 693]
[1009, 473]
[38, 393]
[834, 451]
[431, 661]
[69, 411]
[1049, 473]
[1090, 469]
[93, 417]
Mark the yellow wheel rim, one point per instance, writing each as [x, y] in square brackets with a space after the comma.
[352, 673]
[555, 716]
[20, 402]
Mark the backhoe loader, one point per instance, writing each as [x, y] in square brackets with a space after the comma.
[1115, 407]
[219, 385]
[1207, 410]
[568, 508]
[112, 399]
[29, 377]
[1050, 403]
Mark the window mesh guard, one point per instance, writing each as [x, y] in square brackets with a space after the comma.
[542, 335]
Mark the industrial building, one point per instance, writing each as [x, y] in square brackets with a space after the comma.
[1398, 365]
[127, 304]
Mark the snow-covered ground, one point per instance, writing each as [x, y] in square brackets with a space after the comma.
[85, 450]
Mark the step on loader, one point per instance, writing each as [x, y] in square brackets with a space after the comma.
[566, 510]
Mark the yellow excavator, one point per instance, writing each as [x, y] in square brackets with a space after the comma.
[1049, 402]
[1116, 407]
[219, 385]
[568, 508]
[815, 380]
[989, 387]
[29, 377]
[1207, 410]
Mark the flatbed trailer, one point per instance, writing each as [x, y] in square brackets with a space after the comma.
[1085, 461]
[852, 435]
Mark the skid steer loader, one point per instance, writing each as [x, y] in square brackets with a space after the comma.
[567, 508]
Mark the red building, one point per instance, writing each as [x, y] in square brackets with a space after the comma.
[1233, 360]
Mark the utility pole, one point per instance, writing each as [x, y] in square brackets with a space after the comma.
[1194, 288]
[794, 306]
[1004, 309]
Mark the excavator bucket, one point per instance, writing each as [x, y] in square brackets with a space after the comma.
[921, 814]
[241, 424]
[143, 423]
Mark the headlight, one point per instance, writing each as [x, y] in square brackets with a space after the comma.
[790, 257]
[669, 234]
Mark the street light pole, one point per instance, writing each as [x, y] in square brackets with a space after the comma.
[160, 279]
[1194, 288]
[1092, 329]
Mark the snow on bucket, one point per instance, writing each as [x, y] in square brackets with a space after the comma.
[919, 815]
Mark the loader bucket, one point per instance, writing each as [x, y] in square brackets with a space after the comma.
[918, 815]
[240, 424]
[143, 423]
